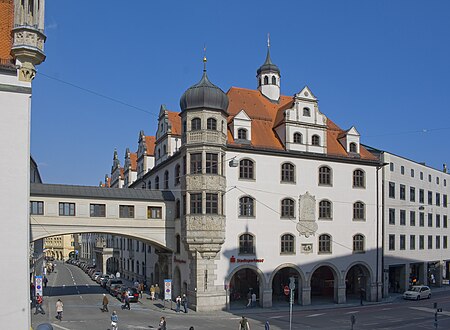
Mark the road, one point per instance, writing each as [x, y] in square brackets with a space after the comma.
[82, 302]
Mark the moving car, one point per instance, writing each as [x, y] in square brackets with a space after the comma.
[132, 293]
[418, 292]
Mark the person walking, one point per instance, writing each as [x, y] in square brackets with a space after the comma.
[39, 302]
[162, 323]
[178, 303]
[141, 289]
[267, 326]
[114, 321]
[105, 303]
[157, 291]
[253, 299]
[152, 292]
[126, 300]
[243, 324]
[59, 309]
[45, 281]
[249, 299]
[184, 302]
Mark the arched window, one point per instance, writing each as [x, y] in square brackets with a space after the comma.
[177, 174]
[297, 138]
[315, 140]
[157, 182]
[324, 243]
[164, 149]
[178, 244]
[149, 185]
[287, 172]
[159, 153]
[177, 209]
[137, 267]
[287, 243]
[266, 80]
[325, 176]
[246, 207]
[246, 169]
[143, 186]
[359, 179]
[325, 209]
[287, 208]
[166, 180]
[353, 147]
[274, 80]
[242, 134]
[246, 244]
[211, 124]
[358, 243]
[196, 124]
[306, 112]
[359, 211]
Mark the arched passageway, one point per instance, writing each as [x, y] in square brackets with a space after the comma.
[243, 283]
[323, 285]
[282, 279]
[357, 283]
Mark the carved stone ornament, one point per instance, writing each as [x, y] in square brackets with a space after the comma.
[306, 248]
[307, 215]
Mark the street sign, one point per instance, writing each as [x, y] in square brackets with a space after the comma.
[286, 290]
[167, 289]
[292, 283]
[38, 285]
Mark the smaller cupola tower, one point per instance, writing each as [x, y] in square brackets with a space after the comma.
[268, 77]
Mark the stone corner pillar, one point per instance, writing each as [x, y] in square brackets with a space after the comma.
[266, 300]
[306, 296]
[341, 296]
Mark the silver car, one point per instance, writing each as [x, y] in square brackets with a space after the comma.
[418, 292]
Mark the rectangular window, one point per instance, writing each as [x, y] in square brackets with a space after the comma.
[126, 211]
[429, 177]
[402, 169]
[391, 189]
[412, 194]
[212, 206]
[402, 242]
[391, 242]
[212, 161]
[392, 216]
[438, 221]
[430, 220]
[196, 203]
[412, 218]
[421, 175]
[444, 242]
[36, 208]
[421, 219]
[430, 242]
[438, 199]
[196, 163]
[444, 200]
[402, 217]
[430, 198]
[412, 242]
[412, 173]
[421, 196]
[67, 209]
[421, 242]
[154, 212]
[438, 241]
[391, 167]
[402, 192]
[98, 210]
[445, 222]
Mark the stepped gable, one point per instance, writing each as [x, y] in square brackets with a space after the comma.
[175, 120]
[133, 160]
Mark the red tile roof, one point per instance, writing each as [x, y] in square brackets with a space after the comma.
[175, 120]
[6, 25]
[133, 161]
[150, 144]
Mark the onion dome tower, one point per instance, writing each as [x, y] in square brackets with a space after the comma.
[268, 77]
[203, 116]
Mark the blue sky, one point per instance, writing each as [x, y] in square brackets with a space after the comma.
[382, 66]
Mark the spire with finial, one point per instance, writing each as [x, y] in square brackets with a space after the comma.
[268, 76]
[204, 58]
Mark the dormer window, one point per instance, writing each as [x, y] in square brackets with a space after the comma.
[274, 80]
[315, 141]
[196, 124]
[306, 112]
[211, 124]
[297, 138]
[353, 147]
[242, 134]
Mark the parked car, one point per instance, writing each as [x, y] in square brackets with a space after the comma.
[133, 294]
[111, 282]
[105, 279]
[418, 292]
[115, 290]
